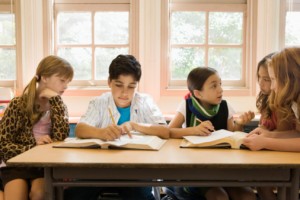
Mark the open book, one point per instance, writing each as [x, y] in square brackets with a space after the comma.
[146, 142]
[220, 138]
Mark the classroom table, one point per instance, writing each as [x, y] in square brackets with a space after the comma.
[170, 166]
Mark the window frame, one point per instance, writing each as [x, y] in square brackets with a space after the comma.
[286, 6]
[247, 87]
[6, 7]
[85, 87]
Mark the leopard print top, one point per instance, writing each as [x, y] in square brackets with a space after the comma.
[16, 130]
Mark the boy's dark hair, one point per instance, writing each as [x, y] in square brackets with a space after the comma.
[125, 65]
[198, 76]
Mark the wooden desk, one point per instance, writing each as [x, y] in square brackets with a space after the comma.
[193, 167]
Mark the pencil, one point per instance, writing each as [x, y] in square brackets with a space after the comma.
[114, 122]
[111, 116]
[201, 122]
[198, 120]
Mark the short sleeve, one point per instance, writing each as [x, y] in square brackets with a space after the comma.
[231, 111]
[182, 107]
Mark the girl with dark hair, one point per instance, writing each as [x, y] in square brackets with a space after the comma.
[203, 111]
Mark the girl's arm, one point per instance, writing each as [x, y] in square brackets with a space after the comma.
[177, 132]
[238, 124]
[9, 125]
[258, 142]
[275, 134]
[59, 118]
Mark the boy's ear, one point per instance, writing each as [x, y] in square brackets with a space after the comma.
[109, 82]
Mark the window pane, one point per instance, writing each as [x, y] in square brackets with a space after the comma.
[111, 28]
[187, 28]
[80, 59]
[7, 29]
[225, 28]
[183, 60]
[227, 61]
[292, 28]
[74, 28]
[104, 56]
[8, 64]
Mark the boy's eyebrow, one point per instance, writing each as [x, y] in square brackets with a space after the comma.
[133, 83]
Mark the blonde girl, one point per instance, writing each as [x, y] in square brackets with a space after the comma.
[284, 71]
[37, 117]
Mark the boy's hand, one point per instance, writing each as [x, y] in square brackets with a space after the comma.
[127, 127]
[111, 132]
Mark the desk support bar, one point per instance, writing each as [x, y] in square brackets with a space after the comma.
[49, 190]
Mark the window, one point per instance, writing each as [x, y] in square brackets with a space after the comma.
[90, 35]
[205, 34]
[7, 45]
[291, 16]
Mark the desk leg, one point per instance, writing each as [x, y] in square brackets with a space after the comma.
[49, 192]
[281, 193]
[294, 189]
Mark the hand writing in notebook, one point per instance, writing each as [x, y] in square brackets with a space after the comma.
[111, 132]
[205, 127]
[123, 131]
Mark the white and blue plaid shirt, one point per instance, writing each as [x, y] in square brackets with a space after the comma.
[143, 110]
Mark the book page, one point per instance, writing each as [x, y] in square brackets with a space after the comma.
[237, 139]
[216, 135]
[220, 138]
[138, 141]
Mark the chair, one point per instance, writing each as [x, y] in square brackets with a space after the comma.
[170, 194]
[156, 193]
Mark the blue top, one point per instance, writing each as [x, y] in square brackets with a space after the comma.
[125, 115]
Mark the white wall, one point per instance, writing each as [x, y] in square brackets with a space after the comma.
[32, 36]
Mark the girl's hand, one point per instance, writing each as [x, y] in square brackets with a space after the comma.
[245, 118]
[260, 131]
[44, 139]
[47, 93]
[111, 132]
[254, 142]
[205, 128]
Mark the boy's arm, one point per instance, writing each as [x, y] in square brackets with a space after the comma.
[149, 129]
[110, 132]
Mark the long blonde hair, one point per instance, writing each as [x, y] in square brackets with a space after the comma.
[286, 66]
[47, 67]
